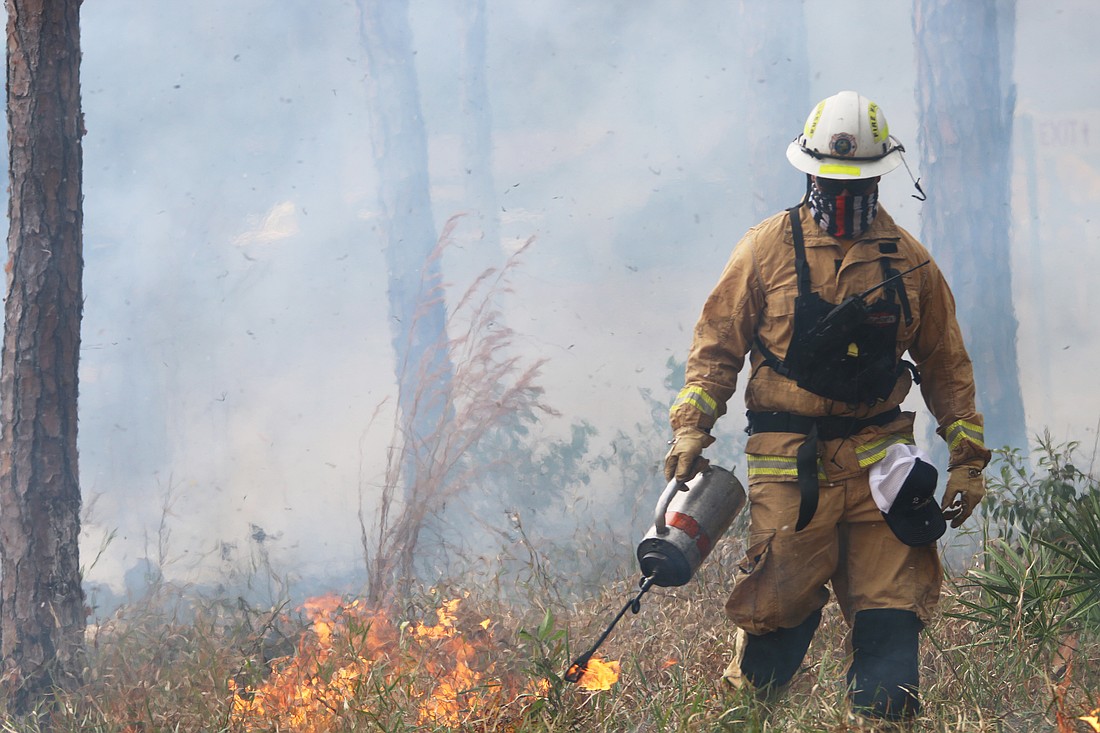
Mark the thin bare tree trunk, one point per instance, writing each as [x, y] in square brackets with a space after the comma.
[418, 316]
[477, 129]
[41, 602]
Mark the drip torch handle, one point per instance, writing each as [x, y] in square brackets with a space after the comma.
[674, 486]
[577, 668]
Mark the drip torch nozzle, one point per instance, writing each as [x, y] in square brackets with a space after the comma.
[577, 668]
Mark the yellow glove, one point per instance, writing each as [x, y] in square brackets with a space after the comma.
[685, 458]
[965, 490]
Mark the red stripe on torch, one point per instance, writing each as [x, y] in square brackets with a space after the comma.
[691, 528]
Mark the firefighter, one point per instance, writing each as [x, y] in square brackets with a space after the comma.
[840, 311]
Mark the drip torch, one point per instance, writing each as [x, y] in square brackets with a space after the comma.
[688, 521]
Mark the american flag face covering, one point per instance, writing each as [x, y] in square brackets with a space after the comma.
[843, 215]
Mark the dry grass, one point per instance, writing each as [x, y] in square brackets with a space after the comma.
[487, 664]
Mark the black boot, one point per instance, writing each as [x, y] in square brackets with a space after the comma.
[771, 660]
[883, 678]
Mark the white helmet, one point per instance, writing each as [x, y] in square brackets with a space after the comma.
[846, 136]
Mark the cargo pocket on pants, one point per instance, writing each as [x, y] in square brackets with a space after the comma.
[753, 603]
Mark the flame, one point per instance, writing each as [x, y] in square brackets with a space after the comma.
[302, 694]
[351, 651]
[1093, 719]
[446, 626]
[598, 675]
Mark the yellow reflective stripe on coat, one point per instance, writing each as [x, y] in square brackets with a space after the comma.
[697, 398]
[961, 430]
[777, 466]
[873, 452]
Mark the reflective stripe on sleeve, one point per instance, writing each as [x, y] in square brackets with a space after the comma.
[697, 398]
[961, 430]
[873, 452]
[785, 467]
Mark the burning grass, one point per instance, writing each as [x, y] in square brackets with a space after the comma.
[451, 659]
[442, 670]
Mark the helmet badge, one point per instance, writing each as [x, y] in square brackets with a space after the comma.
[843, 145]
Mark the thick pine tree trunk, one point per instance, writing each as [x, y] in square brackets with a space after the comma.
[42, 614]
[966, 101]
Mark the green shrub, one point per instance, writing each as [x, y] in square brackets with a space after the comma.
[1022, 502]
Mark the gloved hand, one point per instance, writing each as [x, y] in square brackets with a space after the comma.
[685, 459]
[965, 490]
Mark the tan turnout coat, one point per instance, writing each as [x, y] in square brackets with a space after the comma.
[756, 294]
[847, 544]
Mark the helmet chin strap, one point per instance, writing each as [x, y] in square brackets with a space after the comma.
[916, 181]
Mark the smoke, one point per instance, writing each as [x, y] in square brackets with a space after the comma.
[236, 372]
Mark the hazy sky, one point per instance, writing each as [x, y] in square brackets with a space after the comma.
[236, 362]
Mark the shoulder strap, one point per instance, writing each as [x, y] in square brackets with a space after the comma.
[770, 359]
[802, 270]
[896, 290]
[801, 266]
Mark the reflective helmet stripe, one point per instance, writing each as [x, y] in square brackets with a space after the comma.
[846, 170]
[814, 118]
[882, 134]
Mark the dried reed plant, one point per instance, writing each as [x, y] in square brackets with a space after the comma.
[487, 385]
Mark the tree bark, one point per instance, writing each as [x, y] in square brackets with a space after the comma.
[966, 101]
[41, 601]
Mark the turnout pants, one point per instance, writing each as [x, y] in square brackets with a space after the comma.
[783, 583]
